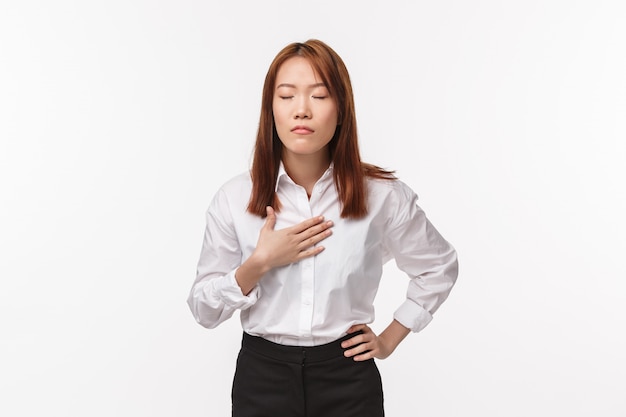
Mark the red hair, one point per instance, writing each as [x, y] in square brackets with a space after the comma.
[349, 172]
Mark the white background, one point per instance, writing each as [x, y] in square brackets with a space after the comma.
[120, 119]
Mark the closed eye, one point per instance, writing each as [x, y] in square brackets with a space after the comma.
[285, 97]
[320, 97]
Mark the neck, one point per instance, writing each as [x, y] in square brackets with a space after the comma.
[305, 170]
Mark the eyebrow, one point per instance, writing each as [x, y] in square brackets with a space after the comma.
[293, 86]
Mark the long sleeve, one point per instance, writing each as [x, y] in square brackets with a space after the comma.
[215, 294]
[424, 255]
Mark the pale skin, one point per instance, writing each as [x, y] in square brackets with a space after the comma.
[306, 117]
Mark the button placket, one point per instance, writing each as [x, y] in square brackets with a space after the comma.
[307, 274]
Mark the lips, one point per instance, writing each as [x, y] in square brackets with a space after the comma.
[302, 130]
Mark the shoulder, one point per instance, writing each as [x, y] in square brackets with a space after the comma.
[394, 189]
[234, 192]
[237, 183]
[393, 200]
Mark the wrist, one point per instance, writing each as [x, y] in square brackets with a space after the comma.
[250, 272]
[391, 337]
[259, 263]
[386, 346]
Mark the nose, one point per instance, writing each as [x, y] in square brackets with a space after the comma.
[303, 110]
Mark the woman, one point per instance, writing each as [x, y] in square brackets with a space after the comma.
[297, 246]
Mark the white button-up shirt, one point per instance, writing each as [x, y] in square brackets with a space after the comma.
[315, 301]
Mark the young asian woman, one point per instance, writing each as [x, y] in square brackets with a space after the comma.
[297, 245]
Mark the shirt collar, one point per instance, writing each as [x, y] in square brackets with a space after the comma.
[282, 174]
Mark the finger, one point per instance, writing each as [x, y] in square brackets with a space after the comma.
[360, 350]
[315, 230]
[313, 240]
[366, 347]
[359, 339]
[270, 221]
[366, 356]
[309, 252]
[355, 328]
[302, 226]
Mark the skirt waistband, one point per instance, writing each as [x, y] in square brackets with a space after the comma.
[295, 354]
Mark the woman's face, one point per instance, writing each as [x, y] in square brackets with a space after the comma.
[305, 115]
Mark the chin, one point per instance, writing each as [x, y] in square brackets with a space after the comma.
[302, 149]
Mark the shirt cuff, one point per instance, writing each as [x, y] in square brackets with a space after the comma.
[229, 292]
[412, 316]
